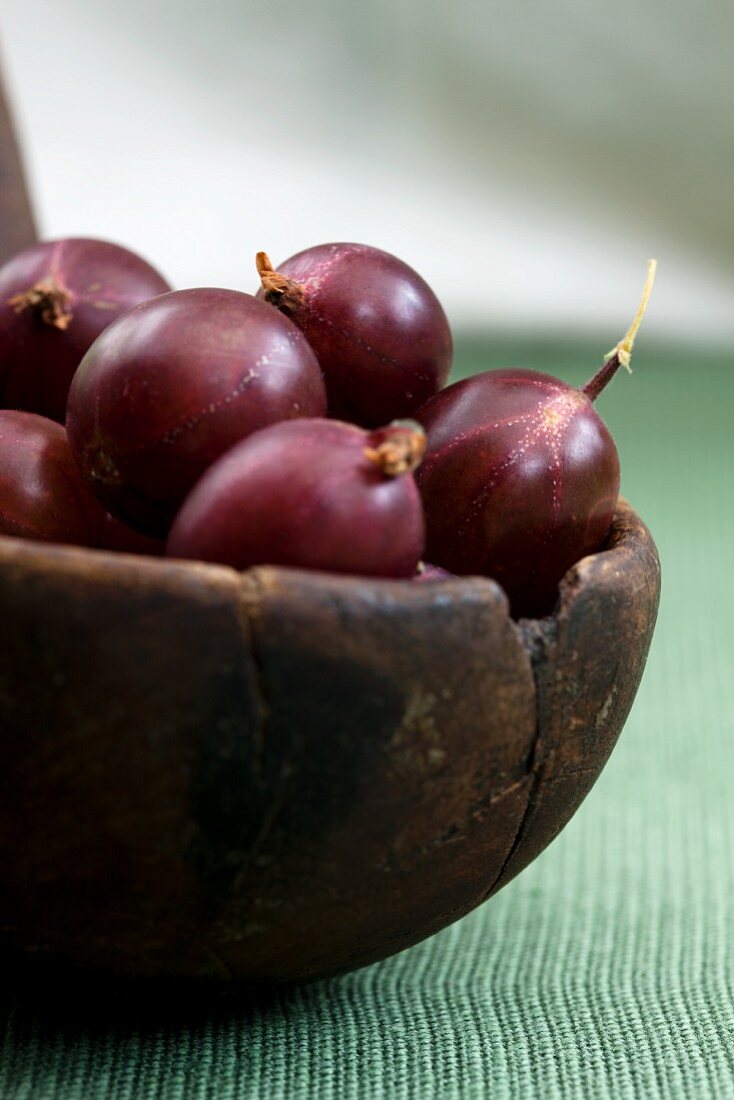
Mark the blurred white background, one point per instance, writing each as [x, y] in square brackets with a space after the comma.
[525, 157]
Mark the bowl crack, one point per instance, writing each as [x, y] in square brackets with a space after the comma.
[537, 637]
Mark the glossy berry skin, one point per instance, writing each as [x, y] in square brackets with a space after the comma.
[42, 493]
[304, 493]
[172, 385]
[378, 330]
[55, 299]
[519, 481]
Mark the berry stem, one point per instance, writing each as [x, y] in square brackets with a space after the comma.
[282, 292]
[48, 299]
[399, 448]
[621, 355]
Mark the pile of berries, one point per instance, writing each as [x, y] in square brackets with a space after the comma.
[303, 426]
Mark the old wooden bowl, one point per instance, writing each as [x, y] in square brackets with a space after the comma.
[281, 775]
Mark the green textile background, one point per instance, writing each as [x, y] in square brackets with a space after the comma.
[606, 969]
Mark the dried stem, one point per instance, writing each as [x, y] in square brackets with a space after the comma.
[399, 448]
[282, 292]
[47, 299]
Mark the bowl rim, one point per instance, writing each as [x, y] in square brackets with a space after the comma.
[627, 533]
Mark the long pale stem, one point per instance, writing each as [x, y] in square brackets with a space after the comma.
[621, 355]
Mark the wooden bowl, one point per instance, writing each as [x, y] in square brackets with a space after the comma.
[279, 775]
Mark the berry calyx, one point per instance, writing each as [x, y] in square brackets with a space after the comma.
[48, 300]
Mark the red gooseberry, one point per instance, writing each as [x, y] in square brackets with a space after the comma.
[42, 494]
[55, 299]
[378, 330]
[174, 383]
[521, 476]
[317, 494]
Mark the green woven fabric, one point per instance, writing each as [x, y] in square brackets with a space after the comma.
[605, 969]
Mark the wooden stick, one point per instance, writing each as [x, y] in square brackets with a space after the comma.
[17, 224]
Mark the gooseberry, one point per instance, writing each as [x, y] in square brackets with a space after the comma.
[174, 383]
[378, 330]
[316, 494]
[521, 476]
[55, 299]
[42, 494]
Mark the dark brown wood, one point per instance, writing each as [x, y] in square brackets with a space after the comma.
[282, 775]
[17, 226]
